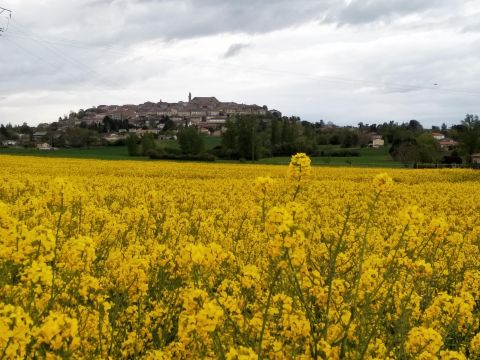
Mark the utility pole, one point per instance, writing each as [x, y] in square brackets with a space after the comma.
[253, 143]
[7, 14]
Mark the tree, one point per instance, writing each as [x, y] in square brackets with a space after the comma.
[275, 134]
[168, 124]
[229, 140]
[429, 148]
[132, 145]
[78, 137]
[414, 125]
[406, 152]
[469, 135]
[248, 139]
[148, 143]
[25, 129]
[190, 141]
[423, 148]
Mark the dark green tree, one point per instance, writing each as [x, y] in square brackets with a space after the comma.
[275, 132]
[469, 135]
[148, 143]
[229, 140]
[190, 141]
[168, 124]
[132, 145]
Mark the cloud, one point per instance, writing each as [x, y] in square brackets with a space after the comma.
[368, 11]
[338, 54]
[235, 49]
[125, 21]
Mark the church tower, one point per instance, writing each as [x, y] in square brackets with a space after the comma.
[189, 97]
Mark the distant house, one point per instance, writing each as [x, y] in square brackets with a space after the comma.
[210, 102]
[39, 135]
[376, 141]
[7, 143]
[142, 132]
[44, 146]
[476, 158]
[113, 138]
[448, 144]
[438, 136]
[24, 137]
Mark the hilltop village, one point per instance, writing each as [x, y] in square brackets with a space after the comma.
[242, 131]
[207, 113]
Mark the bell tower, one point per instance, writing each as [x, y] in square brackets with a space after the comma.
[189, 97]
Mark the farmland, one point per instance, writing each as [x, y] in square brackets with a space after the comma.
[160, 260]
[367, 157]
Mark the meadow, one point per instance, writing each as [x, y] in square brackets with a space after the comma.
[368, 157]
[166, 260]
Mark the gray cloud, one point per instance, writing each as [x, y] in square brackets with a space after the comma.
[125, 21]
[235, 49]
[368, 11]
[134, 50]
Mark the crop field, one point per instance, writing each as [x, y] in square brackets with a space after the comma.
[165, 260]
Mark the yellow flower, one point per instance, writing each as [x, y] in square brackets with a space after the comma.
[58, 332]
[446, 310]
[263, 186]
[174, 260]
[475, 345]
[299, 168]
[15, 331]
[382, 182]
[279, 221]
[423, 342]
[452, 355]
[242, 353]
[251, 276]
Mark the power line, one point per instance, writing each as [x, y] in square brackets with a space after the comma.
[49, 44]
[8, 17]
[58, 53]
[27, 51]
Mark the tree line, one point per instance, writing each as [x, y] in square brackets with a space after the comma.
[252, 137]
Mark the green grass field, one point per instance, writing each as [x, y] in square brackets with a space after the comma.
[102, 153]
[369, 157]
[209, 141]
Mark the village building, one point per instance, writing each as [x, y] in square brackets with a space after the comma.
[39, 135]
[475, 158]
[200, 111]
[44, 146]
[376, 141]
[9, 143]
[448, 144]
[113, 138]
[438, 136]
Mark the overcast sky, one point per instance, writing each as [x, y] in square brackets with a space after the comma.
[343, 61]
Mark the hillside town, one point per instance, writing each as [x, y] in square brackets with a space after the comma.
[116, 122]
[247, 132]
[204, 112]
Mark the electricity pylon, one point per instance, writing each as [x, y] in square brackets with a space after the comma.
[7, 15]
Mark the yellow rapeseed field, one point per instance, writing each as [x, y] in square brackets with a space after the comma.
[163, 260]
